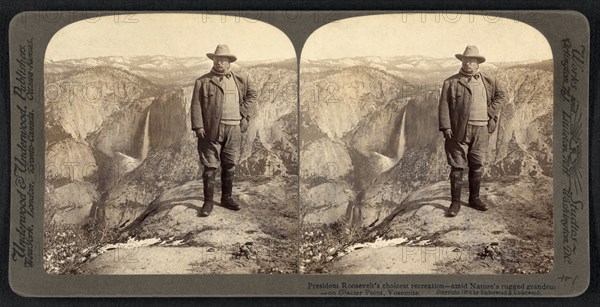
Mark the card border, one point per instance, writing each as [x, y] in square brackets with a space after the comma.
[17, 276]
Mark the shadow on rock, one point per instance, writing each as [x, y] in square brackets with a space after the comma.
[408, 206]
[157, 207]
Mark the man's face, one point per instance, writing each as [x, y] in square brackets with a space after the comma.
[221, 63]
[470, 65]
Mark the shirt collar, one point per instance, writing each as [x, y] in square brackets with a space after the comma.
[476, 75]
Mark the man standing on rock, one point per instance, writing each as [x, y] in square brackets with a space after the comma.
[222, 105]
[468, 114]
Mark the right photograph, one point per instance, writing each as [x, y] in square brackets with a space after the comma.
[426, 146]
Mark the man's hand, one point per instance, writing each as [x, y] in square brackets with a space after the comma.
[200, 133]
[244, 124]
[492, 125]
[447, 134]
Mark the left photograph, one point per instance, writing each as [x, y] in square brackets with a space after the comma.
[171, 147]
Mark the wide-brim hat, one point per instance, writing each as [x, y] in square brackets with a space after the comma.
[471, 52]
[222, 50]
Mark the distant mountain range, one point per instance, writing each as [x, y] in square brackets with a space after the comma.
[414, 69]
[151, 62]
[160, 69]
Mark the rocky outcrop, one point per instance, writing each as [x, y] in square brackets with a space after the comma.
[70, 203]
[262, 162]
[325, 202]
[225, 242]
[515, 236]
[163, 169]
[173, 217]
[526, 118]
[346, 118]
[82, 99]
[169, 120]
[91, 114]
[69, 160]
[325, 159]
[119, 166]
[337, 100]
[275, 122]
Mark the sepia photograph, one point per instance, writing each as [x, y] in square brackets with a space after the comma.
[170, 146]
[426, 146]
[249, 153]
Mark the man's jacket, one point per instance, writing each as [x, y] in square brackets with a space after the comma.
[455, 103]
[208, 99]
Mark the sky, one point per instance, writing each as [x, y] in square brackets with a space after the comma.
[438, 35]
[179, 35]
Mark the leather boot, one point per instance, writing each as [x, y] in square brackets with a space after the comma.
[208, 181]
[455, 183]
[227, 201]
[474, 184]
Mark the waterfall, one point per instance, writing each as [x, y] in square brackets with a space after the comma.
[146, 141]
[402, 137]
[383, 163]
